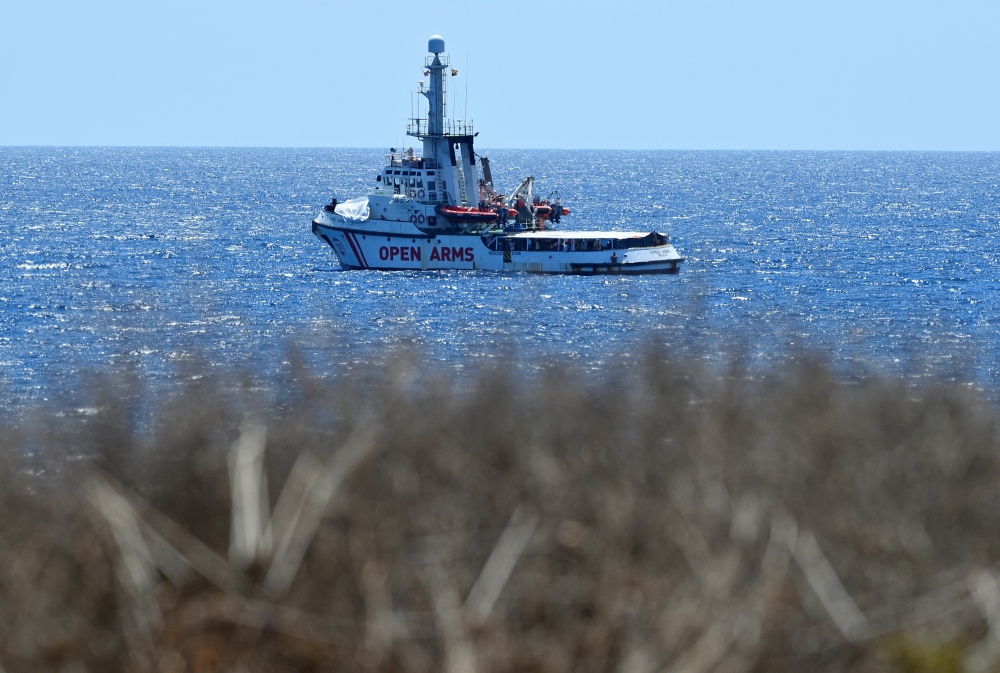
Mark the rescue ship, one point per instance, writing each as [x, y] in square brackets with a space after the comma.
[435, 211]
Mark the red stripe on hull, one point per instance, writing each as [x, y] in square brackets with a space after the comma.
[354, 248]
[364, 259]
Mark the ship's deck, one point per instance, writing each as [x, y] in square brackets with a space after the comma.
[550, 233]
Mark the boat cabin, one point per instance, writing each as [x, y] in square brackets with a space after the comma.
[417, 183]
[575, 241]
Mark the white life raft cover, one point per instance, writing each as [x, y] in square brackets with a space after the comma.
[355, 210]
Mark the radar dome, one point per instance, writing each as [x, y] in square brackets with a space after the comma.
[436, 44]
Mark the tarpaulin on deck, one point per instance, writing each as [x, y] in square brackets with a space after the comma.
[354, 210]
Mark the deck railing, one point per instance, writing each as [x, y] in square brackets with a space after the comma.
[399, 159]
[458, 127]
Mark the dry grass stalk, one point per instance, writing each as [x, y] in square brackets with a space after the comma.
[250, 538]
[824, 581]
[295, 530]
[984, 655]
[485, 592]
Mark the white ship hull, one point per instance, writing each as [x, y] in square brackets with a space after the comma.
[402, 246]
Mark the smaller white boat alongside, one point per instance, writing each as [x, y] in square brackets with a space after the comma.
[434, 211]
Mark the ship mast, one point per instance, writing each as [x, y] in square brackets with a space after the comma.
[438, 86]
[448, 145]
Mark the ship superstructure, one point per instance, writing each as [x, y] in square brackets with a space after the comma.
[434, 210]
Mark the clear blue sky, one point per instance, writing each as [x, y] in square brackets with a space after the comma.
[684, 74]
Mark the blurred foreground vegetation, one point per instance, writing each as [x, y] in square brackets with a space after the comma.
[663, 520]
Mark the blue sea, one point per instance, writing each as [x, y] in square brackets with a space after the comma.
[158, 257]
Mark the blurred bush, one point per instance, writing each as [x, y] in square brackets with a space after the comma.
[658, 518]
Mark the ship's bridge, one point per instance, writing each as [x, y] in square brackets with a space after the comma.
[413, 176]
